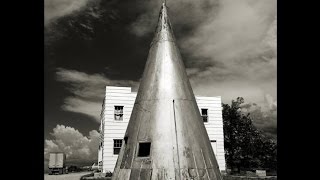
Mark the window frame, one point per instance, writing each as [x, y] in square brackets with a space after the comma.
[117, 143]
[206, 116]
[120, 113]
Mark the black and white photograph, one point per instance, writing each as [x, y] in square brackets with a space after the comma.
[160, 89]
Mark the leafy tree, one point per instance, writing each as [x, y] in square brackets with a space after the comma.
[246, 147]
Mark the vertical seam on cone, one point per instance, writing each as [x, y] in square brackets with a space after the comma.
[175, 128]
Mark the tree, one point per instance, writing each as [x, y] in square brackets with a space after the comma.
[245, 146]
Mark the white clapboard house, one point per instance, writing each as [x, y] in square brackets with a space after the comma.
[116, 110]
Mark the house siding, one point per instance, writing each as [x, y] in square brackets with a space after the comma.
[111, 129]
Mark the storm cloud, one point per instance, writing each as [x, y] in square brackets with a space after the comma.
[263, 116]
[54, 9]
[229, 49]
[76, 146]
[87, 91]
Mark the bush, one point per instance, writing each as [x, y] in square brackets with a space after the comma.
[108, 174]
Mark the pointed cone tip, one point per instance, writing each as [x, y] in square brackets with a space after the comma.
[163, 29]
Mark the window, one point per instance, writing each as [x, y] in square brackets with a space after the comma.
[117, 143]
[118, 113]
[204, 114]
[144, 149]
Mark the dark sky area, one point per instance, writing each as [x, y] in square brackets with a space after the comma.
[228, 47]
[108, 49]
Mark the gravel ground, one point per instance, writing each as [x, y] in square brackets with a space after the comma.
[70, 176]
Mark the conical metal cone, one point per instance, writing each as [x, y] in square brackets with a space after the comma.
[165, 137]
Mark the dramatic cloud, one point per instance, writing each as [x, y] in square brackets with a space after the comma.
[54, 9]
[183, 13]
[78, 148]
[88, 91]
[237, 44]
[231, 48]
[263, 117]
[87, 107]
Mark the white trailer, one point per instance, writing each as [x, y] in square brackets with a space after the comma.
[57, 163]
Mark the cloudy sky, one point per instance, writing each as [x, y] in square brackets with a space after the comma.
[229, 48]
